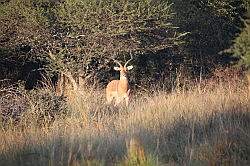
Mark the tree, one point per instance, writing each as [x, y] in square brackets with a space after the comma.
[212, 26]
[83, 35]
[241, 45]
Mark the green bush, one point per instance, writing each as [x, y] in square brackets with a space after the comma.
[241, 46]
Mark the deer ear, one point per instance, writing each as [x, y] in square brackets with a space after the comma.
[117, 68]
[130, 67]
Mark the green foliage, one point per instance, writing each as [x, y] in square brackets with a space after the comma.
[212, 24]
[241, 47]
[21, 22]
[83, 35]
[97, 30]
[135, 161]
[24, 10]
[115, 18]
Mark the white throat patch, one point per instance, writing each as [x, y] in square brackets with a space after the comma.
[123, 77]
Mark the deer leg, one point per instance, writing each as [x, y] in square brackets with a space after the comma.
[127, 97]
[118, 100]
[109, 98]
[127, 100]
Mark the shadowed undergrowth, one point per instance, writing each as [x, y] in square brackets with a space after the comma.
[209, 127]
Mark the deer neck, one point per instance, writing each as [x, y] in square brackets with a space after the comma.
[123, 83]
[123, 78]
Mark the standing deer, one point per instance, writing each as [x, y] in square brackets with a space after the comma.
[119, 89]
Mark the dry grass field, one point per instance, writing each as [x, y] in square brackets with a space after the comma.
[200, 126]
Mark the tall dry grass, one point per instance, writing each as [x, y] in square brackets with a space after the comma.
[201, 126]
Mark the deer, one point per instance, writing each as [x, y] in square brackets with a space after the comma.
[119, 90]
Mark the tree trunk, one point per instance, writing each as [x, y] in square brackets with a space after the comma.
[248, 78]
[67, 86]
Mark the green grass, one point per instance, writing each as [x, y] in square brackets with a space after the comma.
[196, 127]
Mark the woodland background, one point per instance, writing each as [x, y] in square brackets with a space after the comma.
[190, 38]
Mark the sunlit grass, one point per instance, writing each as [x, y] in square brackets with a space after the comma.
[196, 127]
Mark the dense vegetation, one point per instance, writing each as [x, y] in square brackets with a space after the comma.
[165, 38]
[190, 104]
